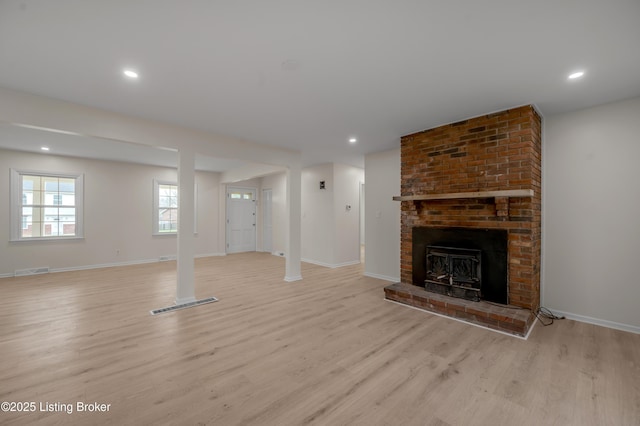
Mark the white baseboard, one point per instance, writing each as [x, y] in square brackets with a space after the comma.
[31, 271]
[596, 321]
[200, 256]
[293, 278]
[103, 265]
[340, 265]
[382, 277]
[278, 253]
[315, 262]
[329, 265]
[115, 264]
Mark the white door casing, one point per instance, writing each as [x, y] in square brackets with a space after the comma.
[241, 219]
[267, 220]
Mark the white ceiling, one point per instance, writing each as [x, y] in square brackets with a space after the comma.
[310, 74]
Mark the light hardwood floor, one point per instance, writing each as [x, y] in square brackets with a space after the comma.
[327, 350]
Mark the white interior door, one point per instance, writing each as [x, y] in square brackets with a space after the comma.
[241, 219]
[267, 221]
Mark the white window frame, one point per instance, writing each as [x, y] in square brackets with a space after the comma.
[156, 207]
[16, 201]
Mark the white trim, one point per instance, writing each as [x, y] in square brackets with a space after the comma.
[199, 256]
[292, 279]
[38, 270]
[340, 265]
[156, 206]
[596, 321]
[265, 225]
[330, 265]
[466, 322]
[41, 239]
[15, 201]
[315, 262]
[103, 265]
[111, 265]
[382, 277]
[278, 253]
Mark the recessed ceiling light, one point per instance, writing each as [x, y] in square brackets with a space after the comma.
[353, 140]
[575, 75]
[44, 148]
[130, 73]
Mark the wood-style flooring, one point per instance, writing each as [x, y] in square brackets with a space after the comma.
[327, 350]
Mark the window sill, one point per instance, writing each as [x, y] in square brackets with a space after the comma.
[41, 239]
[164, 234]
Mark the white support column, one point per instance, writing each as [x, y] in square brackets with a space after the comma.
[294, 210]
[185, 287]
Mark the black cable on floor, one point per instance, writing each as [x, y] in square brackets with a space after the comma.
[543, 312]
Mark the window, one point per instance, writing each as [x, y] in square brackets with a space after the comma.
[241, 196]
[46, 205]
[165, 208]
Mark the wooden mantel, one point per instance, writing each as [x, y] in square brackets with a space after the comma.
[460, 195]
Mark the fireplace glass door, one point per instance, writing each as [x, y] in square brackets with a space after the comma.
[454, 271]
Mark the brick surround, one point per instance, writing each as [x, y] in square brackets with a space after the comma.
[494, 152]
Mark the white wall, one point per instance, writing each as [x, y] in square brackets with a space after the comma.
[382, 215]
[318, 220]
[591, 209]
[330, 233]
[118, 215]
[347, 222]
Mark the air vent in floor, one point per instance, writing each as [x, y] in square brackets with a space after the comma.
[183, 305]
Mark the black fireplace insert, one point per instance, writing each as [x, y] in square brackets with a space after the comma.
[461, 262]
[454, 271]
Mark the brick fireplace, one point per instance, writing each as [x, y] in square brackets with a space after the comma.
[480, 177]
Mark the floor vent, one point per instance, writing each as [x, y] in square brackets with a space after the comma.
[184, 305]
[31, 271]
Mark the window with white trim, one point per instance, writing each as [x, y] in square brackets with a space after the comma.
[165, 207]
[46, 205]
